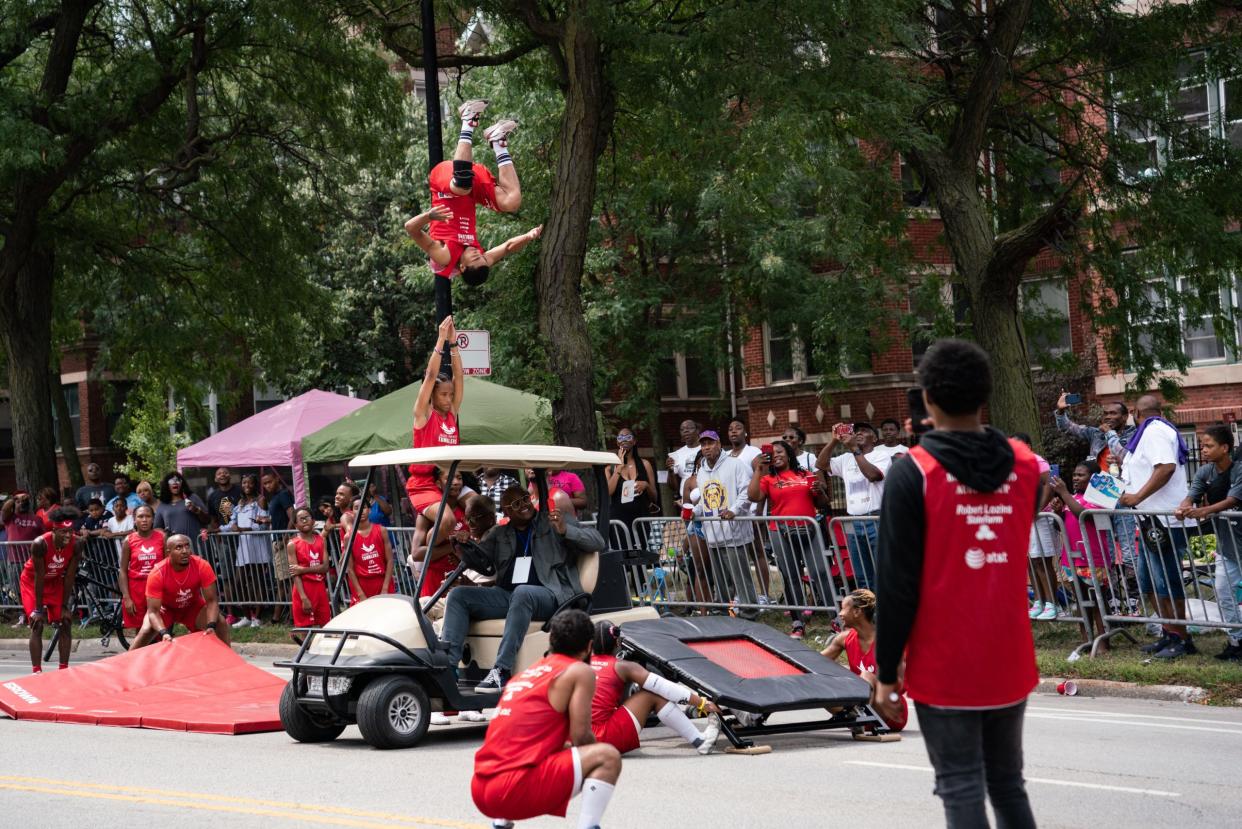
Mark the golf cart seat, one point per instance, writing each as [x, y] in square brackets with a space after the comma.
[588, 575]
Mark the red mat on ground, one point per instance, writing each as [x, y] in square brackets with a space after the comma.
[744, 657]
[194, 683]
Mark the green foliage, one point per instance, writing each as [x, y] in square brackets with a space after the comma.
[148, 433]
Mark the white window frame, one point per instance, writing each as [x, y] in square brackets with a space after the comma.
[683, 381]
[1230, 298]
[1213, 124]
[797, 357]
[1069, 329]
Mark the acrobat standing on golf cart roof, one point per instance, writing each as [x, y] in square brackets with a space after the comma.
[383, 664]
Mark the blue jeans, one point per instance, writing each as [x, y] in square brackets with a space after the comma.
[977, 754]
[1160, 564]
[793, 551]
[1124, 528]
[1228, 574]
[518, 608]
[861, 540]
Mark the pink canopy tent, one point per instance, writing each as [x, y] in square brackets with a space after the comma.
[272, 437]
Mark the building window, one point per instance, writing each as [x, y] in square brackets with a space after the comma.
[1159, 323]
[72, 401]
[1199, 338]
[114, 407]
[1197, 98]
[786, 357]
[914, 191]
[930, 324]
[684, 377]
[266, 398]
[1045, 312]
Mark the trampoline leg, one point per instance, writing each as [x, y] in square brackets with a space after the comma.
[734, 739]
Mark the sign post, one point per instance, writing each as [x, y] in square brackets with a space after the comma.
[475, 348]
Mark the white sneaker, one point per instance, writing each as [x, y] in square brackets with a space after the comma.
[763, 600]
[1048, 613]
[255, 623]
[438, 718]
[710, 735]
[243, 622]
[473, 716]
[1036, 609]
[472, 109]
[498, 133]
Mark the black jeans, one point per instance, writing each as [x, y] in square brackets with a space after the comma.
[975, 752]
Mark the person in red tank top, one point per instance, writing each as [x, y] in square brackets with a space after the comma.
[181, 590]
[370, 560]
[617, 719]
[47, 583]
[952, 576]
[441, 561]
[857, 642]
[308, 566]
[140, 552]
[524, 769]
[435, 423]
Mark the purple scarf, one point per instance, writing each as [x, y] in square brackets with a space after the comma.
[1183, 454]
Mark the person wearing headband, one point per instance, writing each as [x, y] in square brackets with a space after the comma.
[47, 583]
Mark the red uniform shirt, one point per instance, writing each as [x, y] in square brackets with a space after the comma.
[180, 590]
[439, 430]
[461, 229]
[860, 661]
[310, 555]
[55, 559]
[974, 572]
[609, 690]
[526, 728]
[144, 553]
[439, 570]
[788, 493]
[368, 552]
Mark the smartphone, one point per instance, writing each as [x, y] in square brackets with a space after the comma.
[918, 412]
[1073, 399]
[766, 451]
[1054, 470]
[844, 430]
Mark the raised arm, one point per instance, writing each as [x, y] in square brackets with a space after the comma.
[416, 229]
[512, 246]
[422, 404]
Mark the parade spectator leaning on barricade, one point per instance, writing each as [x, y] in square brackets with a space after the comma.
[1042, 547]
[1155, 482]
[47, 583]
[1217, 488]
[181, 590]
[1106, 449]
[680, 465]
[21, 526]
[861, 467]
[278, 502]
[308, 568]
[789, 489]
[93, 523]
[121, 522]
[254, 552]
[951, 595]
[632, 483]
[796, 438]
[94, 487]
[535, 559]
[1084, 555]
[857, 642]
[719, 491]
[224, 495]
[180, 511]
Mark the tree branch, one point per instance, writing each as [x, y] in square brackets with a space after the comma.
[1014, 248]
[414, 57]
[40, 25]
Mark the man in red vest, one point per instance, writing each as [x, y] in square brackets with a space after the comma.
[954, 529]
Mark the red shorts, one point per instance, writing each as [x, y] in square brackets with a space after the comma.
[137, 592]
[321, 609]
[620, 731]
[423, 497]
[528, 792]
[371, 586]
[456, 249]
[187, 616]
[52, 600]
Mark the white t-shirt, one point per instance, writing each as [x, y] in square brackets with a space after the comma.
[862, 497]
[747, 455]
[1158, 445]
[882, 458]
[682, 458]
[807, 461]
[126, 526]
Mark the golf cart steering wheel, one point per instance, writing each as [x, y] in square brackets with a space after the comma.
[474, 557]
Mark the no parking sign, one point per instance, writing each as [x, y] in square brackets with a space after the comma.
[475, 348]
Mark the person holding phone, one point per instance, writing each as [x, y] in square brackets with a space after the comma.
[863, 475]
[632, 483]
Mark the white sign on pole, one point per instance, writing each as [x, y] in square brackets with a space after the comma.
[476, 352]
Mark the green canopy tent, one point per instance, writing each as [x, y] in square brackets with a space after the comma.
[490, 413]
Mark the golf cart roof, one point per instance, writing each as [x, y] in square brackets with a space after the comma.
[505, 456]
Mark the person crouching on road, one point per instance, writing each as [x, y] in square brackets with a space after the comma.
[308, 566]
[47, 583]
[954, 526]
[857, 642]
[617, 719]
[524, 769]
[181, 590]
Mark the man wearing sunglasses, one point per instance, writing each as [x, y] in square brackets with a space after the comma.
[535, 559]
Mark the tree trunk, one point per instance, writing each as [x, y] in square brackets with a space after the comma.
[998, 329]
[64, 430]
[558, 279]
[26, 334]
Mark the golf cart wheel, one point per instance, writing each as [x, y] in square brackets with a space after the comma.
[393, 712]
[301, 725]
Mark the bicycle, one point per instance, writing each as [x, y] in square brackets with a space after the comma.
[106, 612]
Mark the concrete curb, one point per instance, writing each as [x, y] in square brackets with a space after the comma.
[1127, 690]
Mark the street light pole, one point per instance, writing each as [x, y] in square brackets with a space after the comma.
[435, 138]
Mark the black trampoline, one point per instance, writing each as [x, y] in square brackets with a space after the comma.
[748, 667]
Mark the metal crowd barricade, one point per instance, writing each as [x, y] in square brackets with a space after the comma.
[1178, 575]
[13, 555]
[855, 548]
[727, 567]
[1050, 558]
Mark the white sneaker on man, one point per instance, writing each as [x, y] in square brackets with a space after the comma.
[499, 131]
[470, 110]
[438, 718]
[473, 716]
[243, 622]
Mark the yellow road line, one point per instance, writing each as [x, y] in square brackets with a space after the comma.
[312, 813]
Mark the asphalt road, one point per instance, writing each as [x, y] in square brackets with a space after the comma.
[1089, 762]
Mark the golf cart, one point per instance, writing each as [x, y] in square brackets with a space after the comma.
[382, 665]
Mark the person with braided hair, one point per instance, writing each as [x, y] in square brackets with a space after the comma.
[857, 642]
[617, 719]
